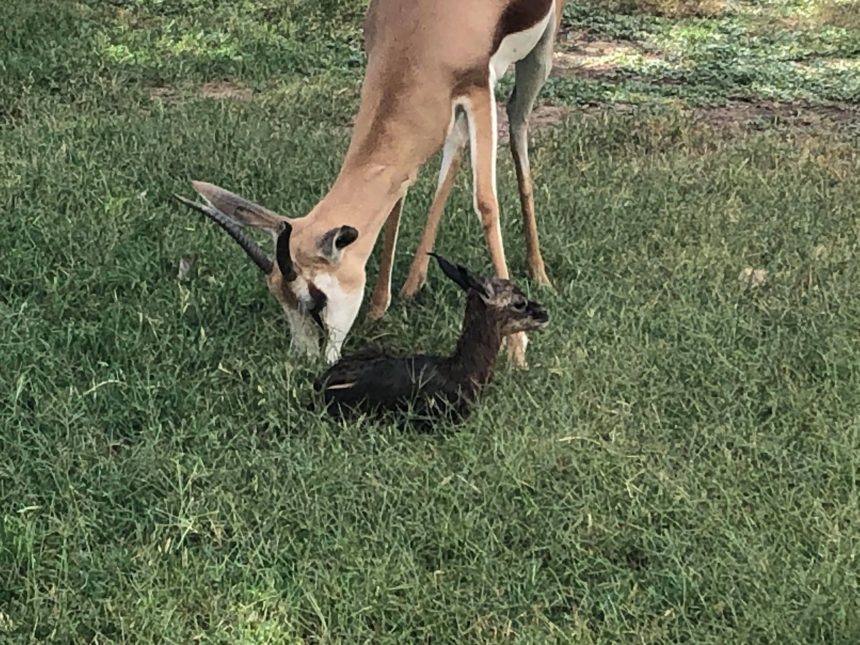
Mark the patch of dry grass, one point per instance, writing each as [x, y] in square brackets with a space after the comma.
[839, 13]
[671, 8]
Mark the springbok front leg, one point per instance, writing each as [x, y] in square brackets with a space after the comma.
[381, 297]
[451, 158]
[531, 75]
[483, 131]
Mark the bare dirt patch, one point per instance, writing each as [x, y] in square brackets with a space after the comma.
[578, 53]
[797, 116]
[226, 90]
[597, 57]
[836, 13]
[670, 8]
[543, 117]
[162, 93]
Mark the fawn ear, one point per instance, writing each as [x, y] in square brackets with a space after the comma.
[461, 275]
[282, 253]
[243, 211]
[332, 244]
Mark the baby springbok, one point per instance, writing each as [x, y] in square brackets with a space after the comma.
[373, 381]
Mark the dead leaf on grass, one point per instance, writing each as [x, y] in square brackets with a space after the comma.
[750, 278]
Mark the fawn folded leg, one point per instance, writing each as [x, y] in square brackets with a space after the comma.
[483, 138]
[531, 74]
[381, 297]
[451, 157]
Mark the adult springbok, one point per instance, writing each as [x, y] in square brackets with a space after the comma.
[431, 70]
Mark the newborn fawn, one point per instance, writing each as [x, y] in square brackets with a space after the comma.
[372, 381]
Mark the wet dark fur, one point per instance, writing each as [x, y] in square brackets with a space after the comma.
[374, 381]
[428, 386]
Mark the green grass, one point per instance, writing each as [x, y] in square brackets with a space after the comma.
[679, 465]
[751, 50]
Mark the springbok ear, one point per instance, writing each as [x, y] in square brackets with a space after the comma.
[282, 253]
[244, 211]
[461, 275]
[335, 241]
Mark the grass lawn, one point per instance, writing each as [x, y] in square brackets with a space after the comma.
[680, 464]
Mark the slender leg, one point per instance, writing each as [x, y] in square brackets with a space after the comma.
[381, 297]
[482, 122]
[451, 158]
[531, 74]
[484, 135]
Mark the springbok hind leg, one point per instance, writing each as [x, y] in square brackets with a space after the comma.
[531, 74]
[451, 157]
[381, 297]
[484, 135]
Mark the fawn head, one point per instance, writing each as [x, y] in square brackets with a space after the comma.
[504, 302]
[318, 287]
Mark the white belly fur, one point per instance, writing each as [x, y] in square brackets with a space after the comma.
[517, 46]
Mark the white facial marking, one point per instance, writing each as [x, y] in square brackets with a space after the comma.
[339, 314]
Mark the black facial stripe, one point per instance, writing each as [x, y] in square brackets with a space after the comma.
[318, 303]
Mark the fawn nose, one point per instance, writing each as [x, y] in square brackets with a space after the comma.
[537, 312]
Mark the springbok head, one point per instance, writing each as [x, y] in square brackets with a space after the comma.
[318, 287]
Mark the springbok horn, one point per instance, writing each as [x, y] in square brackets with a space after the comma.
[233, 230]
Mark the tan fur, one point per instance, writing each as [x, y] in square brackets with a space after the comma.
[381, 297]
[418, 270]
[424, 56]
